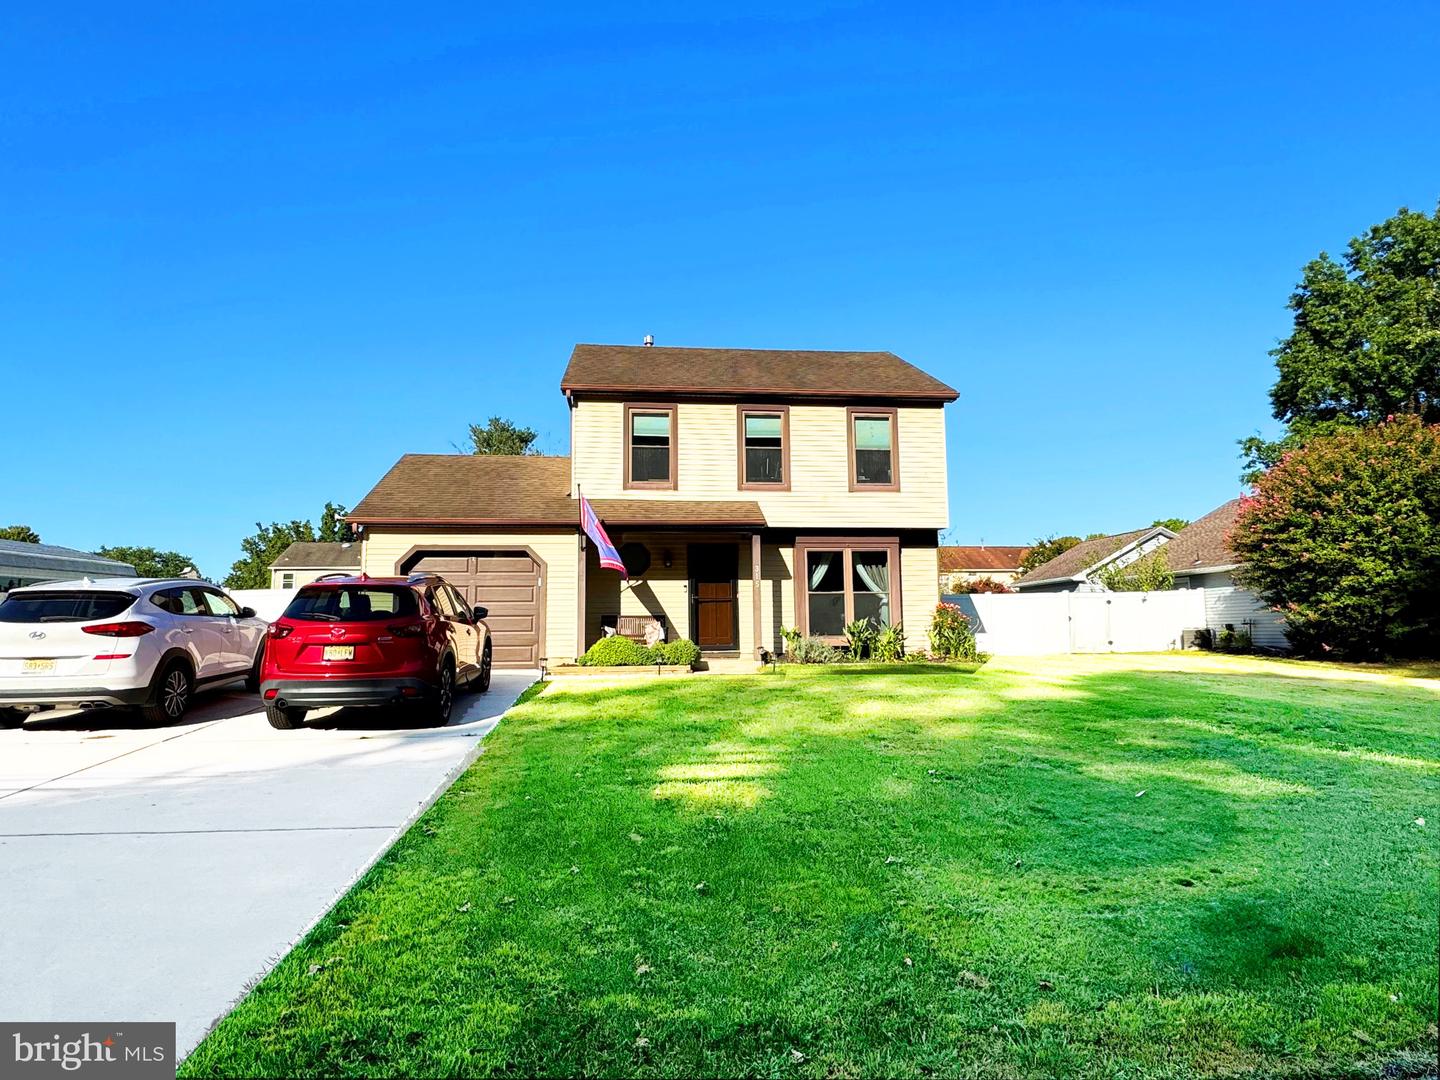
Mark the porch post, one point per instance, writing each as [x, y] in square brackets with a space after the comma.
[755, 590]
[580, 592]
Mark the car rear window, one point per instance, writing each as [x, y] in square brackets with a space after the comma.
[77, 606]
[352, 603]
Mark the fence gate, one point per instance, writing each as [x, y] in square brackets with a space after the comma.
[1089, 622]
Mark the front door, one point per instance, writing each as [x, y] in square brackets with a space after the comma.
[713, 569]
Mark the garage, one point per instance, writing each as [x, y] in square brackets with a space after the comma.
[509, 582]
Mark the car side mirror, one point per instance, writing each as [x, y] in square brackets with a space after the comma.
[480, 613]
[247, 613]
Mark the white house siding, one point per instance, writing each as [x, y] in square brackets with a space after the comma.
[1242, 609]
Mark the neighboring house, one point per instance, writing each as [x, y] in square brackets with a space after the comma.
[963, 565]
[1074, 570]
[747, 489]
[305, 561]
[31, 564]
[1200, 557]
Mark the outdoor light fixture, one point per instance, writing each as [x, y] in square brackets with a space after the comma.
[667, 558]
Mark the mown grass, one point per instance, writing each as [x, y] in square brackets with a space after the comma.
[1157, 866]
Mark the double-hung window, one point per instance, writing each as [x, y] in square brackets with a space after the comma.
[874, 461]
[765, 447]
[650, 446]
[843, 580]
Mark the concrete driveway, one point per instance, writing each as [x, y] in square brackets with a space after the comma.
[153, 873]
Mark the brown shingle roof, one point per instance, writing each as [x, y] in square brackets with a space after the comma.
[315, 555]
[471, 489]
[1081, 557]
[466, 489]
[1203, 542]
[661, 369]
[981, 558]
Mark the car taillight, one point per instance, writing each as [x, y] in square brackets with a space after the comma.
[279, 631]
[119, 629]
[413, 629]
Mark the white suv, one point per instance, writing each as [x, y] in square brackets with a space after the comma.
[122, 641]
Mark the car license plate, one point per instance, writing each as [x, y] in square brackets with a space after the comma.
[339, 652]
[39, 665]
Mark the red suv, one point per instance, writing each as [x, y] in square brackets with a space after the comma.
[374, 641]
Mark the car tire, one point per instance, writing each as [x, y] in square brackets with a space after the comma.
[481, 682]
[11, 718]
[435, 712]
[284, 719]
[252, 681]
[173, 692]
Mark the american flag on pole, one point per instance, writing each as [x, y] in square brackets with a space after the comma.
[609, 557]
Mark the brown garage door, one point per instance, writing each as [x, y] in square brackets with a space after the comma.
[509, 583]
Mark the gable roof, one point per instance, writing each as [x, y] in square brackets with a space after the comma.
[318, 555]
[59, 561]
[985, 557]
[1203, 544]
[470, 489]
[1076, 563]
[731, 372]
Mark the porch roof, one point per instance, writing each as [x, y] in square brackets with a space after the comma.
[677, 512]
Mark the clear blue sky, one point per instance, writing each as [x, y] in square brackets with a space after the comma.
[249, 257]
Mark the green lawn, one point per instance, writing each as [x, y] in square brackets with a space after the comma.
[1112, 866]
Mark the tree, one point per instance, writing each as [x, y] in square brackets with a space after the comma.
[1173, 524]
[1342, 537]
[22, 533]
[1149, 573]
[334, 528]
[1366, 338]
[150, 562]
[501, 436]
[263, 548]
[1045, 549]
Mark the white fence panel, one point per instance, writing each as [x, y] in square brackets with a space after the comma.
[269, 604]
[1031, 624]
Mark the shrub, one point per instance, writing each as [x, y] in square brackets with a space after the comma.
[791, 637]
[859, 634]
[680, 651]
[1149, 573]
[889, 643]
[617, 651]
[1342, 537]
[812, 650]
[983, 585]
[951, 637]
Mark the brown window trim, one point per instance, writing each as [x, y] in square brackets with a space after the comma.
[782, 411]
[632, 407]
[847, 544]
[893, 415]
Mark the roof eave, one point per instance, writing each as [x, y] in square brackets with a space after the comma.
[943, 397]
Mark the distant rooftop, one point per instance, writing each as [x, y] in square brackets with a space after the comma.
[319, 555]
[30, 560]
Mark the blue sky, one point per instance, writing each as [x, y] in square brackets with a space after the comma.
[248, 257]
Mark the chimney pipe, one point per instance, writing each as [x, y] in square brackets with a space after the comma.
[649, 339]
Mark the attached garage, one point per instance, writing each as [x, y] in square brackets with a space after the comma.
[510, 582]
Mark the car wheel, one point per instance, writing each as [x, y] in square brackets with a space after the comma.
[172, 696]
[482, 681]
[436, 711]
[11, 718]
[287, 719]
[252, 681]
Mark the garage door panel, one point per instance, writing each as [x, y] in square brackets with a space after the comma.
[509, 584]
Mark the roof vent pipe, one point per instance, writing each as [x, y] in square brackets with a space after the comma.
[649, 339]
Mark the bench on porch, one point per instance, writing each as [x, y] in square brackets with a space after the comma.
[640, 628]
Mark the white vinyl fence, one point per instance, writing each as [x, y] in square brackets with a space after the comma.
[269, 604]
[1030, 624]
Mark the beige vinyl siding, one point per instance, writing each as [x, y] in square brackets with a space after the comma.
[306, 576]
[819, 494]
[559, 549]
[920, 586]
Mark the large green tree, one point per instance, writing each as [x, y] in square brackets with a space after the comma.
[1173, 524]
[1342, 537]
[1366, 338]
[1045, 549]
[501, 436]
[252, 571]
[333, 526]
[23, 533]
[151, 562]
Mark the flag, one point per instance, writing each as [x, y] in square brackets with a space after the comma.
[609, 557]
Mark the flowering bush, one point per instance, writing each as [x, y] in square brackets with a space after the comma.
[1342, 537]
[951, 636]
[983, 585]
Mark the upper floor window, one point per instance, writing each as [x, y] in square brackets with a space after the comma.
[650, 446]
[874, 462]
[765, 447]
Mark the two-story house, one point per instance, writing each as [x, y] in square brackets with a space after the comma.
[747, 490]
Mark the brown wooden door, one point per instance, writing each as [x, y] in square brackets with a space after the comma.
[714, 615]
